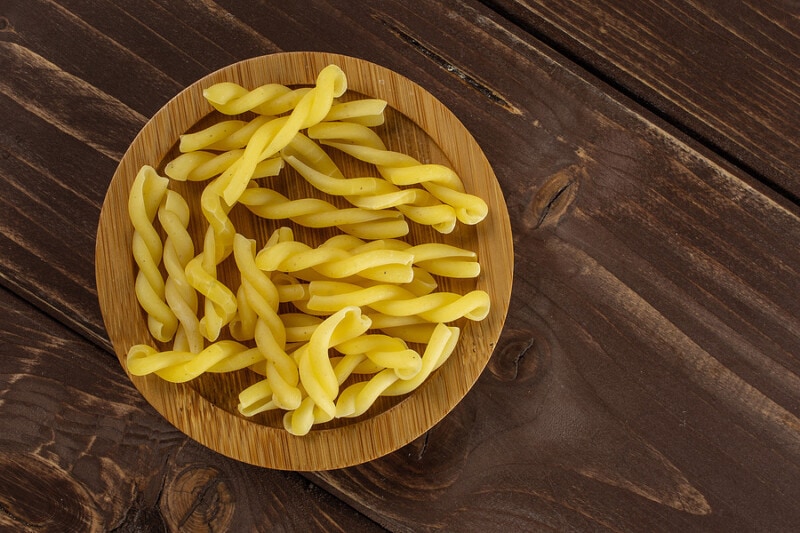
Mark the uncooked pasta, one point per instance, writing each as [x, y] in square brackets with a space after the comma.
[146, 194]
[323, 329]
[173, 214]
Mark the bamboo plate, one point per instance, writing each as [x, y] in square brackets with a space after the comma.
[205, 408]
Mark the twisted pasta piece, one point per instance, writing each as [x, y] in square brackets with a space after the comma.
[299, 326]
[215, 210]
[330, 261]
[232, 136]
[310, 153]
[202, 165]
[300, 420]
[146, 194]
[355, 399]
[270, 333]
[401, 169]
[276, 99]
[243, 324]
[445, 260]
[178, 251]
[225, 135]
[273, 136]
[316, 371]
[270, 99]
[420, 333]
[287, 289]
[315, 166]
[367, 112]
[256, 398]
[442, 343]
[220, 302]
[385, 352]
[181, 366]
[358, 397]
[434, 257]
[316, 213]
[393, 300]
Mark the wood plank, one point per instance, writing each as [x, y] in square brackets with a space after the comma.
[727, 72]
[646, 317]
[647, 376]
[159, 46]
[80, 450]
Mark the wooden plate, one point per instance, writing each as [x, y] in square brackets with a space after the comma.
[205, 408]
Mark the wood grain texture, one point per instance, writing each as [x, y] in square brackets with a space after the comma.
[647, 376]
[728, 72]
[80, 450]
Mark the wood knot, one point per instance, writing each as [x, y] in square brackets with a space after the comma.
[516, 357]
[198, 499]
[553, 198]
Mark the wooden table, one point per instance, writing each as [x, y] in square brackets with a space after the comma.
[647, 378]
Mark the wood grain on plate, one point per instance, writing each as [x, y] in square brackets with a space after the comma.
[206, 409]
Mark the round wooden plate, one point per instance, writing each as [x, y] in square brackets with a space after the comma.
[205, 408]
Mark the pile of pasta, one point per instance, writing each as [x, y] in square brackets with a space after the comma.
[304, 318]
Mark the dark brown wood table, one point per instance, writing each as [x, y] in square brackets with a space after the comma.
[648, 376]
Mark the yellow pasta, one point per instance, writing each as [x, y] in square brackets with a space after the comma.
[316, 167]
[356, 134]
[330, 261]
[271, 99]
[439, 306]
[367, 112]
[316, 371]
[435, 257]
[216, 213]
[273, 136]
[299, 421]
[223, 136]
[146, 194]
[358, 397]
[299, 326]
[243, 324]
[189, 142]
[311, 161]
[327, 329]
[419, 333]
[178, 251]
[289, 288]
[270, 333]
[397, 301]
[385, 351]
[180, 367]
[220, 302]
[256, 398]
[402, 169]
[442, 344]
[316, 213]
[202, 165]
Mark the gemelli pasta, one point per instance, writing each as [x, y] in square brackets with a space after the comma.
[323, 331]
[146, 195]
